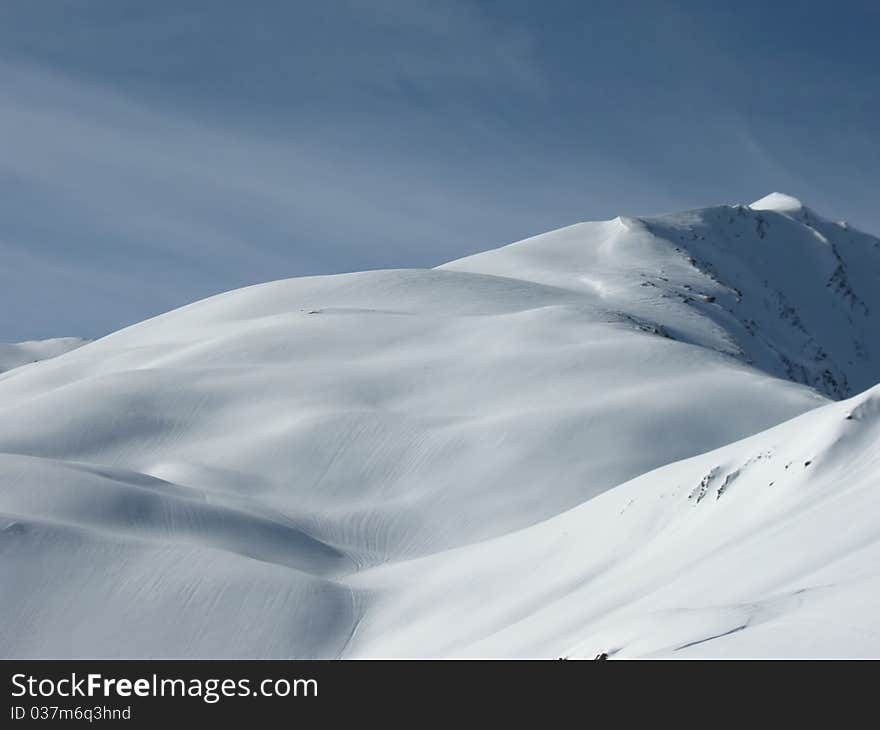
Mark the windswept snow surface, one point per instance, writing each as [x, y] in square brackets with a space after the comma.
[768, 547]
[563, 446]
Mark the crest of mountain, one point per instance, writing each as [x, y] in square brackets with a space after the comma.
[772, 283]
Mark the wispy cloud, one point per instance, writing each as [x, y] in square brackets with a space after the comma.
[108, 189]
[154, 153]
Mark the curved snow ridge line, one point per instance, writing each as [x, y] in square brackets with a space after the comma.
[436, 289]
[137, 505]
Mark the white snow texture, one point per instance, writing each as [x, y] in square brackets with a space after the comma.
[644, 436]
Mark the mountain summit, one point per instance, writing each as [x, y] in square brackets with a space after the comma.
[623, 436]
[771, 284]
[779, 202]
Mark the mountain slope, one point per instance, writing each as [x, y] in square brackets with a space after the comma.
[253, 462]
[767, 547]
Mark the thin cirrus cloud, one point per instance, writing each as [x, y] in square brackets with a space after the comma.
[130, 205]
[133, 210]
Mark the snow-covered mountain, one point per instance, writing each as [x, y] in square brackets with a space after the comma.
[563, 446]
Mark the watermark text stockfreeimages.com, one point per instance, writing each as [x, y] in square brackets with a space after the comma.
[209, 690]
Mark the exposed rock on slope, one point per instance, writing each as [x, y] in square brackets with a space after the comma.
[773, 284]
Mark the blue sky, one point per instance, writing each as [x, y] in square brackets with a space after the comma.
[155, 153]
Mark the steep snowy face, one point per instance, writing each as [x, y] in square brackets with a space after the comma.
[772, 284]
[13, 355]
[797, 293]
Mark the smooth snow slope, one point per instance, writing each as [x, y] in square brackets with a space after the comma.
[769, 547]
[256, 474]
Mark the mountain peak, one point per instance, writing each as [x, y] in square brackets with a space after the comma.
[779, 202]
[723, 278]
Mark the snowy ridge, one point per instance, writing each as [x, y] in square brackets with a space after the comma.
[765, 548]
[501, 456]
[745, 280]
